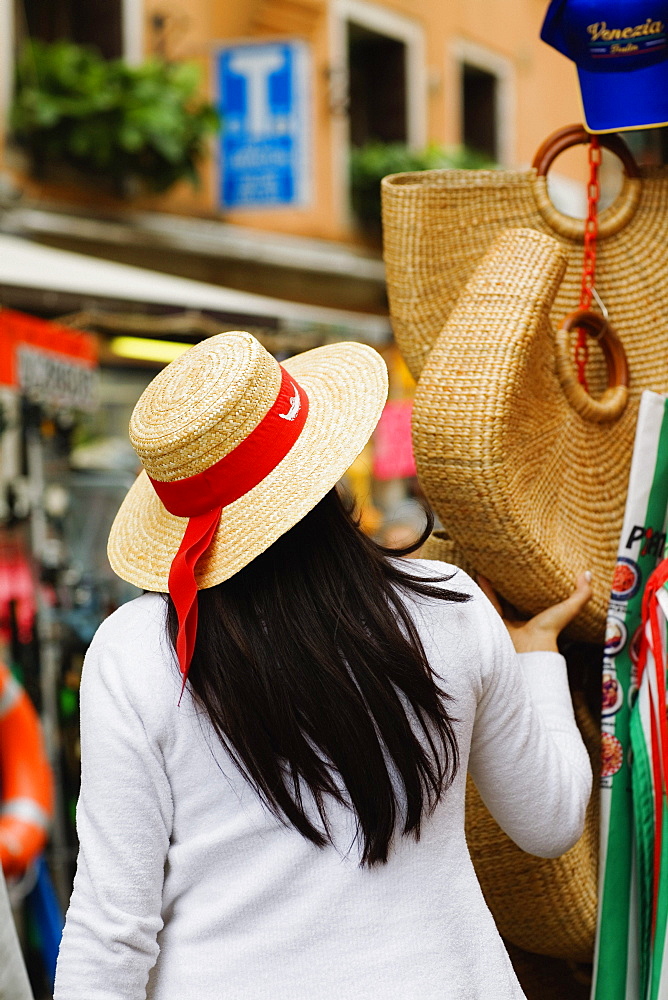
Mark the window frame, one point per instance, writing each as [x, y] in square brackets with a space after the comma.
[463, 53]
[396, 26]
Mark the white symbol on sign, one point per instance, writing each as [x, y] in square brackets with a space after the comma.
[256, 66]
[295, 405]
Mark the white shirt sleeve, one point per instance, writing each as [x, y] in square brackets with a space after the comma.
[527, 757]
[124, 819]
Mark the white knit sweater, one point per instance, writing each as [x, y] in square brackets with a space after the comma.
[188, 889]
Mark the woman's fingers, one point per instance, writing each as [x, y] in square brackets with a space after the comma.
[541, 631]
[558, 616]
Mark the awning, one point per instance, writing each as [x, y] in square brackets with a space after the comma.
[59, 281]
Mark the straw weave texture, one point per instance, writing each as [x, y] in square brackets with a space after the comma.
[438, 224]
[194, 412]
[528, 488]
[203, 405]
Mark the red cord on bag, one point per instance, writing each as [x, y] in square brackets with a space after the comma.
[589, 261]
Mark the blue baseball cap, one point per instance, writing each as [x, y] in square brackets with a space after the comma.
[620, 48]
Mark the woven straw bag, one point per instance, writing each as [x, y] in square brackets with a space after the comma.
[437, 224]
[527, 473]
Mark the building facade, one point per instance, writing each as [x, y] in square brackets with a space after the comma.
[470, 72]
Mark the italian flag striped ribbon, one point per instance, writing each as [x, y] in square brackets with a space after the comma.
[649, 744]
[633, 894]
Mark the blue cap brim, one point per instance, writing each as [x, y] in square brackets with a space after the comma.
[614, 102]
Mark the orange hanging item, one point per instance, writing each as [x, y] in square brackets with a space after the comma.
[26, 782]
[589, 262]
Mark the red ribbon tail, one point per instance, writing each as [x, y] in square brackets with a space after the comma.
[183, 586]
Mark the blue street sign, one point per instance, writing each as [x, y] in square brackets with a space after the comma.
[265, 140]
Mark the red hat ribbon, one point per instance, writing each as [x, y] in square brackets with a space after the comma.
[201, 498]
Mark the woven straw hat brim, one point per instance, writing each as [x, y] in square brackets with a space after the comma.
[346, 385]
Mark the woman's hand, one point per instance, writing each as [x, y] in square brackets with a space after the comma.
[541, 631]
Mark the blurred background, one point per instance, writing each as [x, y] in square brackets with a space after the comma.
[169, 170]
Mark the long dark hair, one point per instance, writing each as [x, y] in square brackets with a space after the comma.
[310, 668]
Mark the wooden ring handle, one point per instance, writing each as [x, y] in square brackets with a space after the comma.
[612, 219]
[612, 403]
[577, 135]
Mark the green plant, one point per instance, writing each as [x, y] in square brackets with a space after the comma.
[370, 163]
[109, 119]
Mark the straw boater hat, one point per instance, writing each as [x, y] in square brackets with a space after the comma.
[236, 450]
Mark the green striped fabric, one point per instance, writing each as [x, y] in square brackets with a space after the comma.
[624, 967]
[649, 746]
